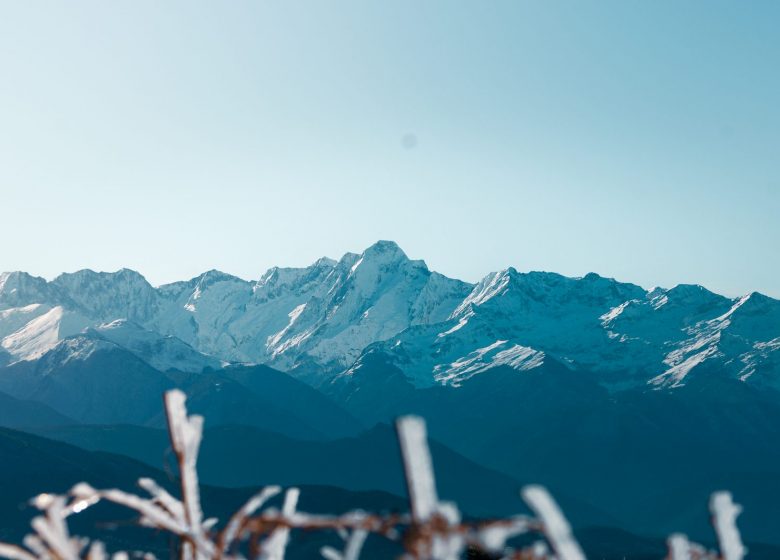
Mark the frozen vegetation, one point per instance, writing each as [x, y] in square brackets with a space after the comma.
[433, 529]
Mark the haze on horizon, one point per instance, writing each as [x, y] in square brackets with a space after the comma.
[638, 141]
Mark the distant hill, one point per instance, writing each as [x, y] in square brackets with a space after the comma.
[237, 456]
[16, 413]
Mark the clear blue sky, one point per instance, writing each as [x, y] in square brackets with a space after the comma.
[640, 140]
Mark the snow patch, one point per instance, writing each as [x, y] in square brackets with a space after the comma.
[516, 356]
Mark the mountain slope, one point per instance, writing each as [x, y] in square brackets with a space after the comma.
[618, 333]
[93, 380]
[90, 380]
[666, 450]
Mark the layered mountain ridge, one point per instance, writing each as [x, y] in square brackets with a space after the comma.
[600, 390]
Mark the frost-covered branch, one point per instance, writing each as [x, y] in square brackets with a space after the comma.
[555, 527]
[276, 544]
[51, 538]
[186, 433]
[354, 541]
[418, 467]
[238, 520]
[724, 518]
[433, 530]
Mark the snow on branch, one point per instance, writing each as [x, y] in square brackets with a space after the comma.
[277, 543]
[556, 528]
[434, 530]
[724, 518]
[418, 466]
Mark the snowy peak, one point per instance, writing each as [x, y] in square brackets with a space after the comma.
[591, 290]
[380, 265]
[385, 249]
[691, 297]
[213, 289]
[365, 298]
[553, 288]
[19, 289]
[387, 254]
[278, 282]
[108, 295]
[509, 292]
[213, 276]
[691, 293]
[86, 279]
[756, 304]
[754, 317]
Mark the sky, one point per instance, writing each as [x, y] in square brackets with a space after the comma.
[639, 140]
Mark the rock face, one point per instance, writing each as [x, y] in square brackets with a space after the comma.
[318, 322]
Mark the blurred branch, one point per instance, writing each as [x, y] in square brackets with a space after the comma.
[434, 530]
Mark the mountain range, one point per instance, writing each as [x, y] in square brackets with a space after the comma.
[631, 404]
[318, 322]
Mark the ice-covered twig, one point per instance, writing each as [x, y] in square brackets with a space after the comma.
[493, 537]
[352, 549]
[435, 533]
[186, 433]
[679, 547]
[162, 498]
[97, 551]
[418, 466]
[724, 516]
[276, 544]
[555, 527]
[13, 552]
[234, 526]
[51, 539]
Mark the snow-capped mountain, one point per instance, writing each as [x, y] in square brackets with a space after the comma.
[623, 334]
[324, 314]
[319, 321]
